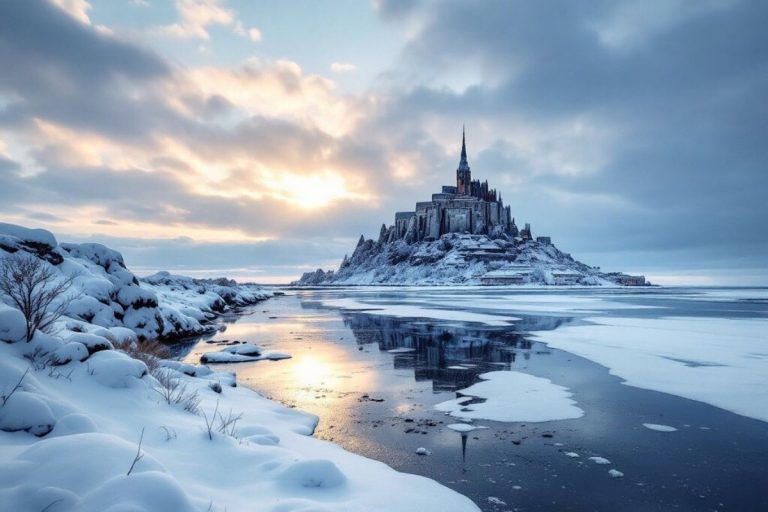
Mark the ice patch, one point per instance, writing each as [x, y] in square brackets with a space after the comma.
[415, 311]
[615, 473]
[514, 396]
[659, 428]
[599, 460]
[704, 359]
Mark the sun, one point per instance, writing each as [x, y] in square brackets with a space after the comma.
[314, 191]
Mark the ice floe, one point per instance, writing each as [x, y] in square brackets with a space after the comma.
[416, 311]
[659, 428]
[513, 396]
[722, 362]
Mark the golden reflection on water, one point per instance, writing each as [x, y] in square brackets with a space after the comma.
[323, 377]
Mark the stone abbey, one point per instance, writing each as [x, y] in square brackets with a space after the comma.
[470, 206]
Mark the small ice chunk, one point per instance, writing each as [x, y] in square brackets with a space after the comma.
[659, 428]
[463, 427]
[422, 451]
[615, 473]
[401, 350]
[496, 501]
[572, 455]
[599, 460]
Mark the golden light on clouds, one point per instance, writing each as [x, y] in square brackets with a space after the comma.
[86, 221]
[314, 191]
[280, 89]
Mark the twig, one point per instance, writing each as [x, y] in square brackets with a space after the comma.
[138, 456]
[5, 398]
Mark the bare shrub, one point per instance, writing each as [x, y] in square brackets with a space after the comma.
[148, 351]
[7, 396]
[138, 456]
[174, 391]
[37, 290]
[226, 425]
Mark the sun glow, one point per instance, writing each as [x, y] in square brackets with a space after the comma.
[310, 371]
[316, 191]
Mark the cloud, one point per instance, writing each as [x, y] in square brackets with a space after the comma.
[195, 18]
[78, 9]
[618, 139]
[254, 34]
[341, 67]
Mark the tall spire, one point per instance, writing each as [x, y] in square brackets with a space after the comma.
[463, 164]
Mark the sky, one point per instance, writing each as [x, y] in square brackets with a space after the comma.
[258, 140]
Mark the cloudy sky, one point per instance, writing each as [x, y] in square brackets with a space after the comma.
[259, 139]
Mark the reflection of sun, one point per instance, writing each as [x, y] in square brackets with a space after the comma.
[309, 371]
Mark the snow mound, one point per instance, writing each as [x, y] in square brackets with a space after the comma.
[245, 349]
[115, 369]
[28, 235]
[313, 474]
[13, 327]
[92, 342]
[71, 351]
[26, 411]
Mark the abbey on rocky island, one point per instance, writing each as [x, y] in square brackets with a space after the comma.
[468, 207]
[466, 236]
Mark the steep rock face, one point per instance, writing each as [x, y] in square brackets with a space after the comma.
[109, 296]
[461, 259]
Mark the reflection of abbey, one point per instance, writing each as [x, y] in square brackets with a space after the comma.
[468, 207]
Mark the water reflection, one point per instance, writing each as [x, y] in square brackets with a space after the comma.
[449, 356]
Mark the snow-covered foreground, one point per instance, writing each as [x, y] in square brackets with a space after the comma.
[513, 396]
[86, 427]
[722, 362]
[96, 411]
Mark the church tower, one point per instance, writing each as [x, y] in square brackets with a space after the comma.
[463, 174]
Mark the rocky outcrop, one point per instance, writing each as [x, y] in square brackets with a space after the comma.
[462, 259]
[109, 296]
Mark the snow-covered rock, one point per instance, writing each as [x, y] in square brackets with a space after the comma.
[116, 369]
[108, 300]
[71, 351]
[26, 411]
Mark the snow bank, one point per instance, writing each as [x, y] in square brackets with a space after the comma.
[722, 362]
[110, 299]
[513, 396]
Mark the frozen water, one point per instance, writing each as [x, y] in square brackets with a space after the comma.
[712, 360]
[514, 396]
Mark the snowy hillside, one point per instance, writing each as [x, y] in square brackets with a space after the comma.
[110, 298]
[462, 259]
